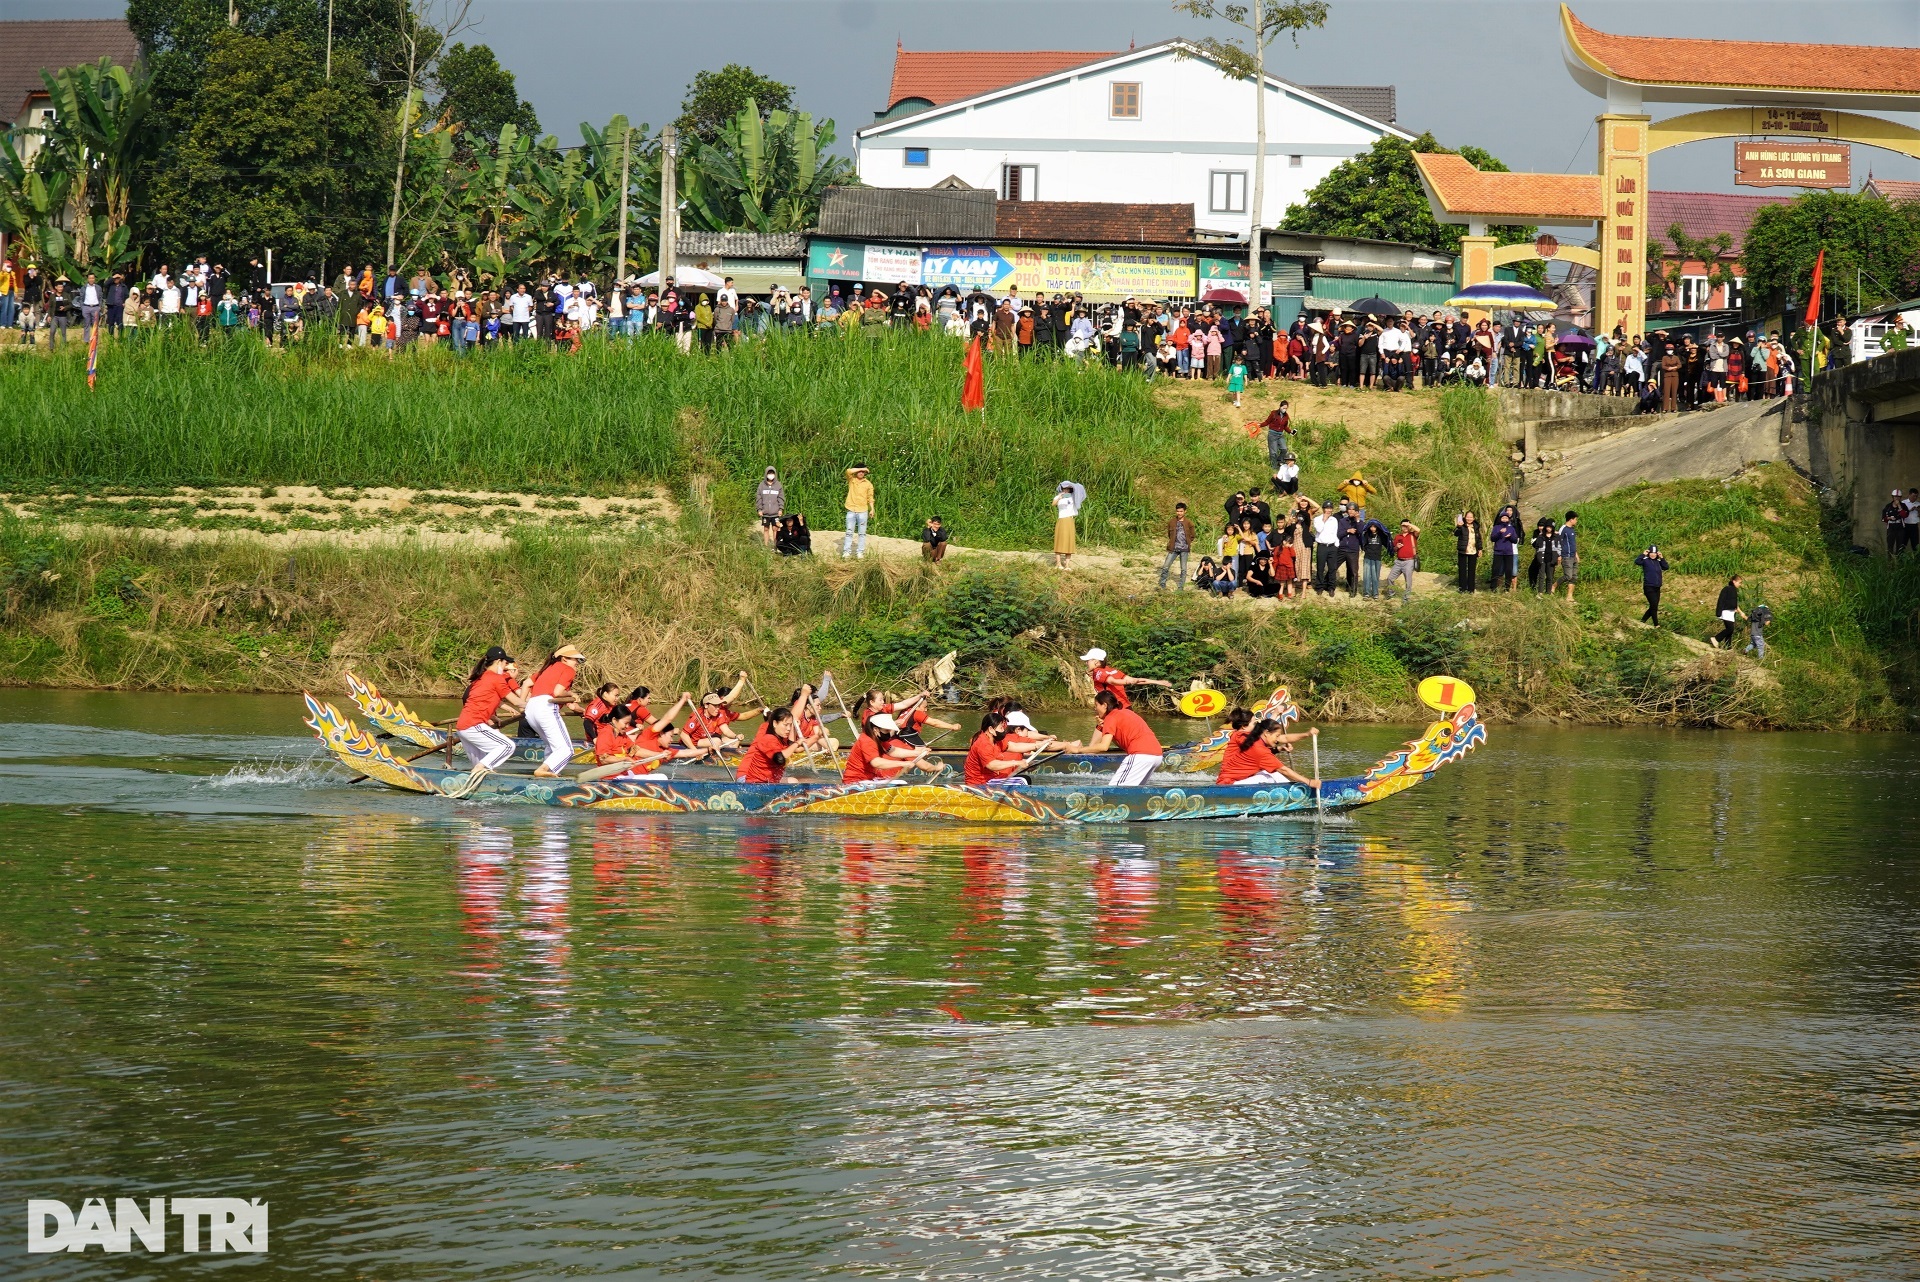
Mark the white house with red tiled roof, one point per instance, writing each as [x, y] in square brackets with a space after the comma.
[1146, 125]
[1702, 215]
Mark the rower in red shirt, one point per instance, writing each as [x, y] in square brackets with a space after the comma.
[708, 726]
[1121, 727]
[491, 684]
[618, 743]
[766, 760]
[551, 695]
[880, 752]
[1251, 756]
[1110, 679]
[913, 717]
[990, 762]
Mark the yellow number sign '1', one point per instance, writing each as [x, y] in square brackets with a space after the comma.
[1445, 694]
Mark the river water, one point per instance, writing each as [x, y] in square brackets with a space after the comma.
[1591, 1004]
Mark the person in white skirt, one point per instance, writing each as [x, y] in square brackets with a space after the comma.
[548, 699]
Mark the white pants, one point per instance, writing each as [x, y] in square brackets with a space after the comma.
[544, 717]
[486, 747]
[1134, 769]
[1265, 776]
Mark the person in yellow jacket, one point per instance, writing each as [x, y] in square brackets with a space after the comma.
[1355, 490]
[859, 507]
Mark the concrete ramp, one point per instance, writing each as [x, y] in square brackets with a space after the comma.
[1708, 444]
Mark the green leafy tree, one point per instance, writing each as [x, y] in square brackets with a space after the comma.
[479, 96]
[33, 196]
[1378, 195]
[715, 98]
[1873, 241]
[277, 157]
[761, 175]
[1710, 252]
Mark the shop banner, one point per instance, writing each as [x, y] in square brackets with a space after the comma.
[889, 265]
[1223, 269]
[835, 260]
[966, 267]
[1103, 274]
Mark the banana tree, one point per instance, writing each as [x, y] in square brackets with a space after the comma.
[102, 134]
[32, 198]
[763, 175]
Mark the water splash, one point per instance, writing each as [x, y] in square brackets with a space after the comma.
[280, 772]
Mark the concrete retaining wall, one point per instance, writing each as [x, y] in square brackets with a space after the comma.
[1863, 435]
[1538, 420]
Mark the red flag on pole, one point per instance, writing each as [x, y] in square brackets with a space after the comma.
[93, 354]
[973, 392]
[1813, 304]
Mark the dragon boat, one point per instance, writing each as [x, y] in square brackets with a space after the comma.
[1443, 743]
[392, 719]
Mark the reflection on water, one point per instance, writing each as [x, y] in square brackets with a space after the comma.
[1648, 1010]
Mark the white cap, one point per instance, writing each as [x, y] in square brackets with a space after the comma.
[883, 721]
[1017, 718]
[1095, 655]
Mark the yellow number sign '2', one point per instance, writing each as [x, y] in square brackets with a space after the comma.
[1445, 694]
[1203, 703]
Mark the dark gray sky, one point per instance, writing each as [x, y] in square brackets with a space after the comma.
[1482, 71]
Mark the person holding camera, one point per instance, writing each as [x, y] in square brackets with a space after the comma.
[1653, 571]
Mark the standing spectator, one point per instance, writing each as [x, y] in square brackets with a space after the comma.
[1406, 555]
[1326, 549]
[116, 303]
[1066, 505]
[1374, 541]
[1757, 630]
[1913, 520]
[92, 299]
[1894, 517]
[9, 298]
[859, 506]
[770, 501]
[1179, 544]
[1546, 551]
[933, 540]
[1506, 549]
[1357, 490]
[1727, 610]
[1569, 552]
[1653, 572]
[1467, 547]
[1237, 379]
[1349, 553]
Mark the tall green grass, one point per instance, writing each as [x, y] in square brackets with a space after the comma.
[618, 415]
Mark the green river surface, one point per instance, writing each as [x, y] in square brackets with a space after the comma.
[1593, 1003]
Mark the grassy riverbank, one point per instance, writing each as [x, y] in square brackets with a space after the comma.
[604, 497]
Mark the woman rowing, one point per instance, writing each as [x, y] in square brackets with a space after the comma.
[914, 718]
[1251, 756]
[618, 742]
[992, 759]
[766, 759]
[550, 696]
[707, 727]
[489, 686]
[881, 752]
[813, 732]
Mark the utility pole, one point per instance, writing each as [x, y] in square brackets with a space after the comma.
[626, 156]
[1259, 151]
[669, 202]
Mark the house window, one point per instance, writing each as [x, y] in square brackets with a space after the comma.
[1294, 162]
[1737, 292]
[1695, 294]
[916, 155]
[1227, 191]
[1126, 100]
[1019, 182]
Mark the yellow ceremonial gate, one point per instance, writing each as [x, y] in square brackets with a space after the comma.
[1793, 91]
